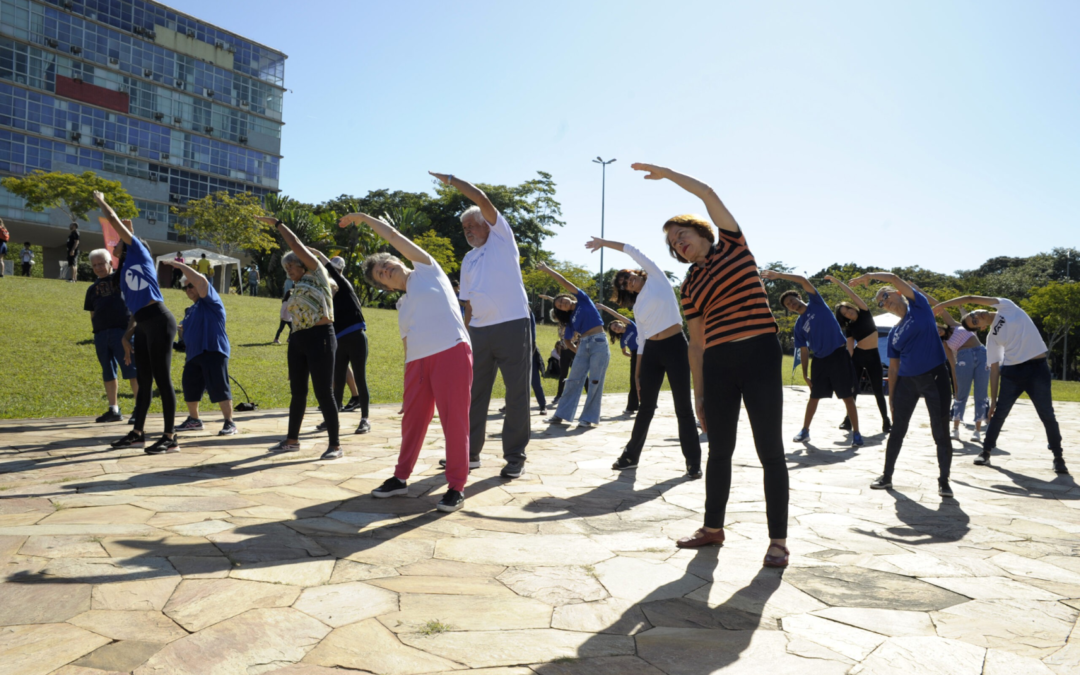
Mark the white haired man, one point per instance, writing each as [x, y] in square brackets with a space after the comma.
[110, 318]
[497, 314]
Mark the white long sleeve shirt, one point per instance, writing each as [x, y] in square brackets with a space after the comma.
[656, 308]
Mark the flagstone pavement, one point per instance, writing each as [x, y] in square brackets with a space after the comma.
[226, 559]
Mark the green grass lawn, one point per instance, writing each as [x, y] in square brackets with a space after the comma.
[48, 366]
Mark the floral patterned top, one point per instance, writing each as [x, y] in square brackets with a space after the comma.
[311, 300]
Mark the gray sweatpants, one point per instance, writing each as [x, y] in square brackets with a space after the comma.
[506, 347]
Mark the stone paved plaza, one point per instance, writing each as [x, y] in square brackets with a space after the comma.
[225, 559]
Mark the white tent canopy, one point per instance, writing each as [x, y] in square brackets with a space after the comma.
[221, 263]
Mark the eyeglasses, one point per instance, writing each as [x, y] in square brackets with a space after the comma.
[884, 299]
[189, 287]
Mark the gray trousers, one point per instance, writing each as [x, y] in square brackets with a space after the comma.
[506, 347]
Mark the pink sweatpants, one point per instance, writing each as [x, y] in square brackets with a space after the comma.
[442, 380]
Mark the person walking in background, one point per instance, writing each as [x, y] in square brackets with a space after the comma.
[253, 280]
[735, 358]
[5, 236]
[497, 316]
[110, 319]
[625, 331]
[206, 345]
[26, 257]
[73, 252]
[823, 348]
[438, 359]
[1017, 356]
[286, 319]
[858, 325]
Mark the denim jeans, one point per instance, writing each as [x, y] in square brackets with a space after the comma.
[591, 363]
[1031, 378]
[971, 366]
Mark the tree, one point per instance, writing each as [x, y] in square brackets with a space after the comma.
[1057, 307]
[230, 223]
[440, 249]
[73, 194]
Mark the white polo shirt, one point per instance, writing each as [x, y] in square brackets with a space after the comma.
[491, 279]
[1013, 337]
[428, 314]
[656, 309]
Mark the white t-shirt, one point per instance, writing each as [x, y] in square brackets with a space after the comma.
[491, 279]
[27, 255]
[656, 308]
[428, 314]
[1013, 337]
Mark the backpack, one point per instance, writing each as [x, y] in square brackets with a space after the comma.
[4, 236]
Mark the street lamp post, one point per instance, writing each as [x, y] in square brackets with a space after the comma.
[603, 190]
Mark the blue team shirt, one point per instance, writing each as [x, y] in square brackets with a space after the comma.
[139, 277]
[585, 316]
[204, 326]
[914, 340]
[629, 338]
[817, 328]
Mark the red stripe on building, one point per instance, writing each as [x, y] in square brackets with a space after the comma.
[92, 94]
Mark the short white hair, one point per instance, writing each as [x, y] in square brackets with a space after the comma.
[183, 280]
[100, 253]
[291, 258]
[473, 212]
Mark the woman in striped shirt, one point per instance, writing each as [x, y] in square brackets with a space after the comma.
[734, 358]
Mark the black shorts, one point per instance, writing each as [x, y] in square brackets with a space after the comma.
[832, 374]
[72, 259]
[207, 372]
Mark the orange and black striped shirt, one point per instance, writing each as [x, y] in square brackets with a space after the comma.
[727, 291]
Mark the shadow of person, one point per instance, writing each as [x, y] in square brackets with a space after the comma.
[923, 525]
[1061, 487]
[813, 456]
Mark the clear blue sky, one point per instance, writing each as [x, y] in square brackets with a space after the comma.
[937, 134]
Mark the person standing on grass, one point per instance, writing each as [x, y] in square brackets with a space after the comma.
[735, 358]
[858, 325]
[4, 237]
[917, 370]
[1017, 356]
[497, 316]
[438, 359]
[73, 252]
[253, 280]
[823, 348]
[110, 319]
[286, 319]
[176, 273]
[154, 332]
[26, 257]
[625, 331]
[206, 344]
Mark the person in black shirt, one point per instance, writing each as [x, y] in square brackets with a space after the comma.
[110, 318]
[862, 338]
[73, 252]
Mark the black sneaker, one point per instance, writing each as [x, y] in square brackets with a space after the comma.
[164, 445]
[110, 416]
[628, 411]
[363, 427]
[886, 426]
[983, 459]
[228, 429]
[321, 426]
[943, 488]
[693, 472]
[846, 424]
[882, 483]
[502, 409]
[190, 424]
[391, 488]
[623, 463]
[352, 405]
[473, 463]
[133, 438]
[513, 470]
[333, 453]
[131, 419]
[451, 501]
[1059, 466]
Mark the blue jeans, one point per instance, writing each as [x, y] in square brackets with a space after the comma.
[1031, 378]
[109, 345]
[590, 364]
[971, 365]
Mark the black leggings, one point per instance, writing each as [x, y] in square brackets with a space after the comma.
[537, 381]
[935, 387]
[870, 361]
[352, 349]
[745, 372]
[155, 330]
[668, 356]
[281, 327]
[632, 403]
[311, 352]
[566, 361]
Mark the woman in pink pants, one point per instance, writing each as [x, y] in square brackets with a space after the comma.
[438, 359]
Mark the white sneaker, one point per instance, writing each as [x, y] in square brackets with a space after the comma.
[587, 425]
[976, 436]
[956, 433]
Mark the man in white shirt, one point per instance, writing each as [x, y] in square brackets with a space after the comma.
[1017, 356]
[497, 315]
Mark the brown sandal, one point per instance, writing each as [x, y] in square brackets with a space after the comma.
[702, 537]
[777, 560]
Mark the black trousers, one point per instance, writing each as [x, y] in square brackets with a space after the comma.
[870, 361]
[736, 373]
[281, 327]
[566, 362]
[632, 403]
[155, 330]
[666, 357]
[352, 349]
[537, 378]
[311, 354]
[935, 388]
[1031, 378]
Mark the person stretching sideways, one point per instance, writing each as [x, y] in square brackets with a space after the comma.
[735, 358]
[438, 359]
[917, 369]
[862, 343]
[822, 344]
[662, 350]
[1017, 356]
[625, 331]
[110, 319]
[967, 358]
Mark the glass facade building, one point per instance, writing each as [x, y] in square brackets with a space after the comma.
[171, 106]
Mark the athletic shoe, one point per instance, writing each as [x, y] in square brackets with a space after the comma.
[976, 437]
[502, 409]
[886, 426]
[943, 488]
[983, 459]
[803, 436]
[321, 426]
[110, 416]
[363, 427]
[133, 438]
[473, 463]
[882, 483]
[285, 446]
[164, 445]
[451, 501]
[543, 411]
[333, 453]
[693, 472]
[352, 405]
[624, 463]
[228, 429]
[846, 424]
[555, 419]
[513, 470]
[857, 440]
[587, 425]
[277, 342]
[190, 424]
[956, 433]
[131, 419]
[628, 411]
[555, 401]
[1059, 466]
[392, 487]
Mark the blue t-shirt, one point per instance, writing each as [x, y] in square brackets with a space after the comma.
[204, 326]
[139, 277]
[914, 340]
[585, 316]
[817, 328]
[629, 337]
